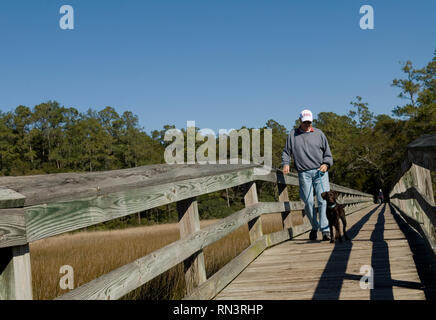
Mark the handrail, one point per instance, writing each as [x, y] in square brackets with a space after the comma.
[412, 194]
[57, 203]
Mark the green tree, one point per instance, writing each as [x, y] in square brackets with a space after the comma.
[365, 118]
[8, 152]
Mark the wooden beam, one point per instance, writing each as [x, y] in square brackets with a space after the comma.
[276, 176]
[413, 195]
[49, 188]
[12, 227]
[255, 225]
[422, 151]
[284, 197]
[11, 199]
[60, 217]
[189, 221]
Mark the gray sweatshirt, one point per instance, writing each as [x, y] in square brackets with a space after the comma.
[309, 149]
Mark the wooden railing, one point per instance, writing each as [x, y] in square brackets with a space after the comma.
[37, 207]
[412, 195]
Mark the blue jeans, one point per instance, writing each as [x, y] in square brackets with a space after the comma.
[310, 180]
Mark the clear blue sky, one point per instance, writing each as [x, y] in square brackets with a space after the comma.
[222, 63]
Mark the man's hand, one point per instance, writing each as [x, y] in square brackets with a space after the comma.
[286, 169]
[323, 168]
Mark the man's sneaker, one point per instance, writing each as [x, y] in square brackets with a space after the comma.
[326, 236]
[312, 235]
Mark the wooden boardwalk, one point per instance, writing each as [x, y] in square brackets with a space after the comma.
[303, 269]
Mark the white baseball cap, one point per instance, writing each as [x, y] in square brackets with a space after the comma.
[306, 115]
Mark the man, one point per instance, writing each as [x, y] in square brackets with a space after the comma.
[380, 196]
[312, 159]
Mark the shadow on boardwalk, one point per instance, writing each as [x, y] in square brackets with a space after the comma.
[331, 280]
[330, 284]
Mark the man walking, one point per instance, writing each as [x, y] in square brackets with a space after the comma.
[312, 158]
[380, 196]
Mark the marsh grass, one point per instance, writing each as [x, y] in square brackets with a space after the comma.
[92, 254]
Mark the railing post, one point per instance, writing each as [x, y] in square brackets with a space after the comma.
[189, 221]
[284, 197]
[15, 273]
[255, 225]
[15, 270]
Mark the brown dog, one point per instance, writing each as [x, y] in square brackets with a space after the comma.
[334, 213]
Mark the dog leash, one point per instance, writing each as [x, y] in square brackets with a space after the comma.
[319, 175]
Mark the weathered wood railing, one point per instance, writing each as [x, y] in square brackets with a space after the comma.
[37, 207]
[412, 195]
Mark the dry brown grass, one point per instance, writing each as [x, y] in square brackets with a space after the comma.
[92, 254]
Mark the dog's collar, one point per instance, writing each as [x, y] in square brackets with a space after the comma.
[331, 207]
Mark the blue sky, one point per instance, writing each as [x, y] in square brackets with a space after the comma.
[222, 63]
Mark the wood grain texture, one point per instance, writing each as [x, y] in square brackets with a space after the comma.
[189, 221]
[422, 151]
[48, 188]
[59, 217]
[15, 273]
[12, 227]
[284, 197]
[10, 198]
[413, 196]
[254, 225]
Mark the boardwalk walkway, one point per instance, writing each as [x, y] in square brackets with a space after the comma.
[302, 269]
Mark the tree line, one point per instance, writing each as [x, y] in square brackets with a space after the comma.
[367, 149]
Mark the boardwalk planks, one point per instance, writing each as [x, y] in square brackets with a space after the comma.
[302, 269]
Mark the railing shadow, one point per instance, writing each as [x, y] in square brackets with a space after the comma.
[425, 262]
[414, 194]
[330, 284]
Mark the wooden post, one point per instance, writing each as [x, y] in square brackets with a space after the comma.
[15, 273]
[284, 197]
[189, 221]
[255, 225]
